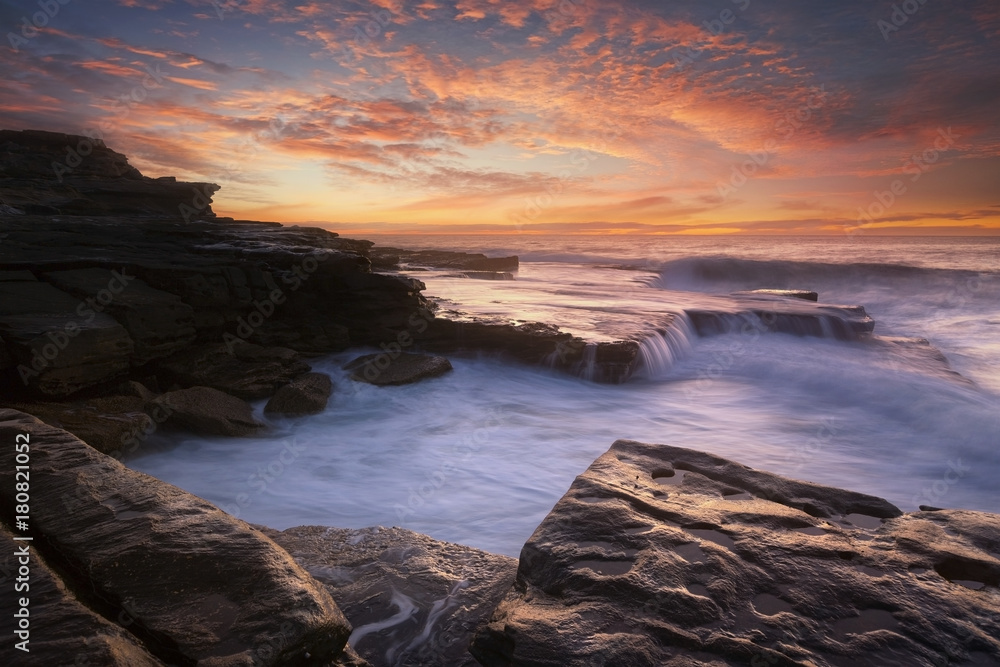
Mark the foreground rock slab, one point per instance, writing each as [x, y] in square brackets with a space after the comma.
[659, 555]
[413, 601]
[383, 369]
[62, 631]
[196, 586]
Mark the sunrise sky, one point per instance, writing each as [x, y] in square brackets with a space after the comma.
[571, 116]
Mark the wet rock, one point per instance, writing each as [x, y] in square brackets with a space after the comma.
[244, 370]
[63, 631]
[195, 585]
[306, 394]
[158, 322]
[208, 411]
[56, 343]
[660, 555]
[781, 315]
[384, 369]
[789, 293]
[442, 259]
[413, 601]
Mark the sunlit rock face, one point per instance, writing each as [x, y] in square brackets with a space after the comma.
[174, 573]
[659, 555]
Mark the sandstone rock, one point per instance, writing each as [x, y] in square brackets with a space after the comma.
[248, 372]
[37, 178]
[159, 323]
[413, 601]
[781, 315]
[62, 630]
[105, 424]
[196, 585]
[659, 555]
[789, 293]
[58, 344]
[209, 411]
[443, 259]
[306, 394]
[383, 369]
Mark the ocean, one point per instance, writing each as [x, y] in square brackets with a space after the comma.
[480, 455]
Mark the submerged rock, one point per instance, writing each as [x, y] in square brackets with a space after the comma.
[659, 555]
[191, 583]
[384, 369]
[209, 411]
[413, 601]
[304, 395]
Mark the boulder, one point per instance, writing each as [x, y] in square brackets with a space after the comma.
[208, 411]
[191, 583]
[62, 630]
[158, 322]
[413, 601]
[305, 395]
[58, 344]
[244, 370]
[660, 555]
[383, 369]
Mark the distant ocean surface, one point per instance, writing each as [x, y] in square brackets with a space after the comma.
[480, 456]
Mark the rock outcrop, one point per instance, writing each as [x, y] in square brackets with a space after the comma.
[61, 630]
[209, 411]
[188, 582]
[306, 394]
[413, 601]
[385, 257]
[660, 555]
[50, 173]
[385, 369]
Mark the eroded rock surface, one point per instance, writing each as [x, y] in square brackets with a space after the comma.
[196, 585]
[413, 601]
[208, 411]
[404, 368]
[306, 394]
[62, 631]
[659, 555]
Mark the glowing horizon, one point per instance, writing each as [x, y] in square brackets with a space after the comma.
[548, 116]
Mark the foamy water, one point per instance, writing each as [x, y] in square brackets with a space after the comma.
[479, 456]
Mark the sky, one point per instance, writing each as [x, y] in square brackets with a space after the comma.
[540, 116]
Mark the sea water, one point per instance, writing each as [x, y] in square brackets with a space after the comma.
[480, 455]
